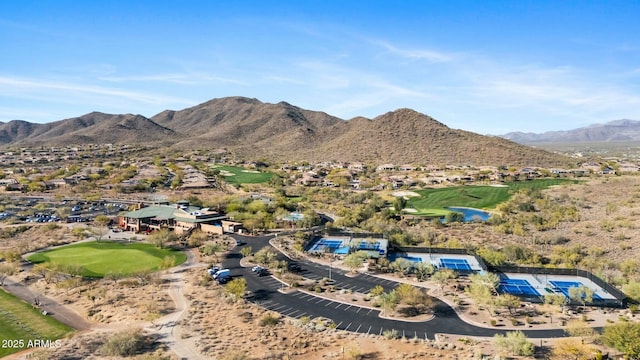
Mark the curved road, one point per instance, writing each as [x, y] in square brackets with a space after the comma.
[349, 317]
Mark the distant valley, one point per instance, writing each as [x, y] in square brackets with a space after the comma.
[614, 131]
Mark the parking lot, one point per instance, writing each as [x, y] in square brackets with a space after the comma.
[45, 210]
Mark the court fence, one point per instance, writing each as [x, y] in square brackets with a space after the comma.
[437, 250]
[620, 298]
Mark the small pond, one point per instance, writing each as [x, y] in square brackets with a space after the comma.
[471, 214]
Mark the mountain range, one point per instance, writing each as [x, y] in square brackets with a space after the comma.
[613, 131]
[251, 129]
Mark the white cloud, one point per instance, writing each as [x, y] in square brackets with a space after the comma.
[20, 87]
[415, 54]
[175, 78]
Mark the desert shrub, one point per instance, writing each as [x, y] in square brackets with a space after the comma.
[390, 334]
[52, 226]
[619, 236]
[514, 342]
[124, 343]
[269, 320]
[234, 355]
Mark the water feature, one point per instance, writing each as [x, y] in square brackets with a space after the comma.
[471, 214]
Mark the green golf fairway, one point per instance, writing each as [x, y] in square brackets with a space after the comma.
[20, 323]
[238, 175]
[432, 202]
[100, 258]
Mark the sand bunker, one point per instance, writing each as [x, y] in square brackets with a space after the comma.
[405, 194]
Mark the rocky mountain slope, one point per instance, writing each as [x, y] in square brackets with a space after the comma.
[252, 129]
[619, 130]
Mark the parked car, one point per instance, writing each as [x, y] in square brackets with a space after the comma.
[222, 273]
[293, 267]
[262, 272]
[213, 270]
[257, 268]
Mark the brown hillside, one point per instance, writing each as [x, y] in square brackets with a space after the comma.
[248, 126]
[406, 136]
[98, 127]
[252, 129]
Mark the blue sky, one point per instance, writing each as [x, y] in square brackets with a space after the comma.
[489, 67]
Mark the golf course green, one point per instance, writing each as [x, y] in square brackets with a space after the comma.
[97, 259]
[238, 175]
[433, 202]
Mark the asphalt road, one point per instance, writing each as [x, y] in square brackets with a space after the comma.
[350, 317]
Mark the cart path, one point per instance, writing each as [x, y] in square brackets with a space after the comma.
[53, 308]
[169, 326]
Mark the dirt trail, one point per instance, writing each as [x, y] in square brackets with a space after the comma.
[169, 325]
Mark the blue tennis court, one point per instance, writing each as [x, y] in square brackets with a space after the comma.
[324, 244]
[455, 264]
[564, 286]
[366, 245]
[517, 287]
[342, 251]
[410, 258]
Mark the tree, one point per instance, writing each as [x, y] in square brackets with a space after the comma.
[423, 270]
[454, 216]
[376, 291]
[168, 262]
[414, 297]
[582, 294]
[481, 296]
[556, 299]
[264, 256]
[12, 255]
[443, 276]
[572, 349]
[125, 343]
[354, 260]
[101, 222]
[79, 232]
[514, 342]
[580, 328]
[489, 280]
[237, 287]
[246, 251]
[399, 204]
[623, 337]
[162, 237]
[632, 290]
[401, 265]
[211, 248]
[509, 301]
[492, 257]
[197, 238]
[6, 270]
[389, 301]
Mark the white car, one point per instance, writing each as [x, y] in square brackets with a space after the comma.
[257, 268]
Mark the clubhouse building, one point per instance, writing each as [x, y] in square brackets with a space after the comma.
[180, 218]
